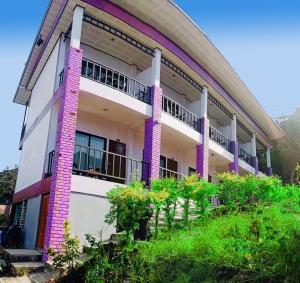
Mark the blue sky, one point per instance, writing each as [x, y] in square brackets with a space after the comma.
[260, 39]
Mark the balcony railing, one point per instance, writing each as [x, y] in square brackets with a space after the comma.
[179, 112]
[244, 155]
[166, 173]
[115, 79]
[219, 138]
[104, 165]
[107, 165]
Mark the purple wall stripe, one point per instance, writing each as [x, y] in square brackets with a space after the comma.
[156, 35]
[60, 188]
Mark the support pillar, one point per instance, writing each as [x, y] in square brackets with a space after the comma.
[269, 166]
[60, 189]
[234, 166]
[152, 137]
[202, 149]
[253, 152]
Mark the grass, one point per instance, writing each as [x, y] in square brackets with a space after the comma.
[251, 246]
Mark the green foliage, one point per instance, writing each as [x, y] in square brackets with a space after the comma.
[67, 258]
[258, 246]
[237, 192]
[170, 186]
[129, 205]
[253, 237]
[8, 178]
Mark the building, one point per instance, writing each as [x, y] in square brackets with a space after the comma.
[118, 90]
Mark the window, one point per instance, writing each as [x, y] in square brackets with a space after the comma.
[89, 153]
[20, 214]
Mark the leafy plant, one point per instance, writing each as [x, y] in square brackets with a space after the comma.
[129, 206]
[170, 186]
[187, 188]
[67, 258]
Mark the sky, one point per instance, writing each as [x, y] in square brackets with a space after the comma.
[259, 38]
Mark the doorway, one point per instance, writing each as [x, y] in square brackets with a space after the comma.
[116, 165]
[43, 221]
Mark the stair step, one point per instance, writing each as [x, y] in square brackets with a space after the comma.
[22, 255]
[21, 268]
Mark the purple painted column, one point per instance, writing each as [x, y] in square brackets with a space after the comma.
[234, 166]
[152, 137]
[255, 164]
[202, 150]
[269, 171]
[60, 189]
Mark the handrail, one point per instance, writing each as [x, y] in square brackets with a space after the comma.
[100, 163]
[115, 79]
[167, 173]
[219, 138]
[244, 155]
[181, 113]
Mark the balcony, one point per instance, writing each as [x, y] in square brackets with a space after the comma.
[245, 156]
[179, 112]
[219, 138]
[116, 80]
[100, 164]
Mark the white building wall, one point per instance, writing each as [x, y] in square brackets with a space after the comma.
[246, 146]
[31, 167]
[87, 214]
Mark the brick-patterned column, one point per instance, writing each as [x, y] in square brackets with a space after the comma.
[234, 166]
[202, 157]
[269, 171]
[58, 209]
[152, 137]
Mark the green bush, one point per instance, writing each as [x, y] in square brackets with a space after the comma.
[258, 246]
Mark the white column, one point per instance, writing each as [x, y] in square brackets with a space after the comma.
[76, 27]
[268, 153]
[204, 99]
[233, 128]
[155, 69]
[253, 145]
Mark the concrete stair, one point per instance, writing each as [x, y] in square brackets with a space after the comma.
[22, 261]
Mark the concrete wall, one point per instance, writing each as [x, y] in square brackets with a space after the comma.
[33, 153]
[87, 214]
[32, 222]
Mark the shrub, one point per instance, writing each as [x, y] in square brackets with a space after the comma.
[129, 206]
[67, 258]
[170, 186]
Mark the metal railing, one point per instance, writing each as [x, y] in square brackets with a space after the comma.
[115, 79]
[50, 163]
[107, 165]
[166, 173]
[219, 138]
[61, 77]
[244, 155]
[179, 112]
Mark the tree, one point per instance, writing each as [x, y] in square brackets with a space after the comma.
[8, 178]
[286, 155]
